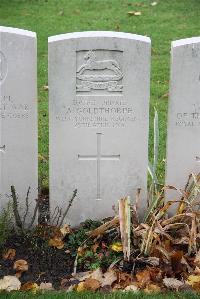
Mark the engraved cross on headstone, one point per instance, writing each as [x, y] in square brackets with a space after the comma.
[98, 158]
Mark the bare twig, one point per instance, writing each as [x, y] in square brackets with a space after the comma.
[68, 207]
[34, 214]
[27, 206]
[15, 209]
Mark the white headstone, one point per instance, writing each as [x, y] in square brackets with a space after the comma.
[183, 145]
[18, 115]
[99, 115]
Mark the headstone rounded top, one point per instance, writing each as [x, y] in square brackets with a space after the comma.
[186, 41]
[17, 31]
[87, 34]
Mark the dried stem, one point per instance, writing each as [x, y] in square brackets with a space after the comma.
[27, 206]
[68, 207]
[34, 214]
[15, 209]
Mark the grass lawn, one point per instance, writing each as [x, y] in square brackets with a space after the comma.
[168, 20]
[97, 296]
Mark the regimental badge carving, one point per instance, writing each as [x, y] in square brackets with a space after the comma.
[3, 67]
[98, 74]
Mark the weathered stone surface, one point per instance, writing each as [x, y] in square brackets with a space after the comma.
[18, 114]
[183, 144]
[99, 111]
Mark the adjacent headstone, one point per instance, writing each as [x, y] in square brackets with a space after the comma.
[99, 116]
[18, 115]
[183, 144]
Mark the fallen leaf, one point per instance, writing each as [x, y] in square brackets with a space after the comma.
[30, 286]
[42, 158]
[134, 13]
[197, 259]
[132, 288]
[193, 280]
[143, 278]
[56, 242]
[96, 274]
[117, 246]
[45, 87]
[10, 283]
[65, 230]
[81, 251]
[94, 247]
[80, 287]
[9, 254]
[91, 284]
[109, 277]
[69, 284]
[46, 286]
[20, 266]
[172, 283]
[152, 288]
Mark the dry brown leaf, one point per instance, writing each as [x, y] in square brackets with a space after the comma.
[20, 266]
[94, 247]
[69, 284]
[30, 286]
[46, 286]
[125, 279]
[132, 288]
[56, 242]
[96, 274]
[10, 283]
[81, 251]
[91, 284]
[152, 288]
[65, 230]
[172, 283]
[143, 278]
[197, 259]
[9, 254]
[108, 277]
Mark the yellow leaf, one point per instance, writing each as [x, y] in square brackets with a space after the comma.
[56, 242]
[30, 286]
[80, 287]
[194, 281]
[65, 230]
[117, 246]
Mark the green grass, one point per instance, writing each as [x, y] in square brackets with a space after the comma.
[167, 21]
[58, 295]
